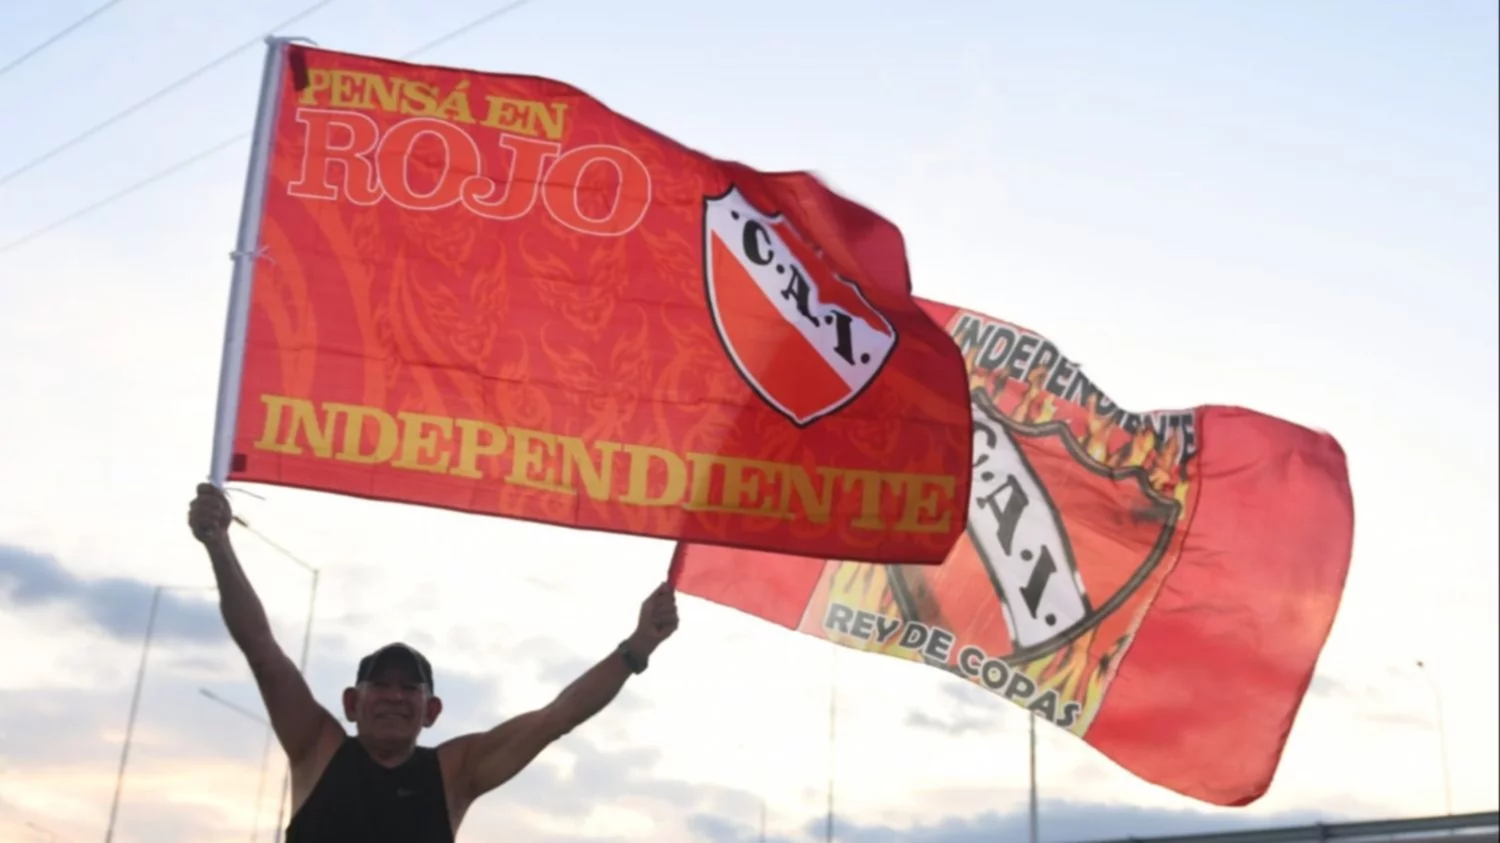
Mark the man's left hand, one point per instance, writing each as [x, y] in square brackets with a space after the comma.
[658, 620]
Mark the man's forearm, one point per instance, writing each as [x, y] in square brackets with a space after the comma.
[243, 613]
[595, 689]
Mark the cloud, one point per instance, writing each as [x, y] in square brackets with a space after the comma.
[1324, 685]
[1062, 822]
[194, 762]
[1372, 705]
[720, 830]
[1401, 719]
[119, 606]
[956, 726]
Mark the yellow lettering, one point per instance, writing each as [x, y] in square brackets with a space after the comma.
[548, 117]
[423, 441]
[742, 492]
[637, 492]
[422, 94]
[816, 503]
[528, 460]
[742, 485]
[869, 501]
[268, 433]
[317, 83]
[398, 95]
[700, 498]
[569, 465]
[525, 117]
[577, 464]
[304, 420]
[471, 447]
[386, 91]
[455, 106]
[355, 416]
[931, 505]
[344, 92]
[501, 113]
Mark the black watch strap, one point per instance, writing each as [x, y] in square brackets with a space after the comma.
[637, 664]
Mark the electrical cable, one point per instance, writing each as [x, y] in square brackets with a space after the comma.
[110, 121]
[482, 19]
[225, 144]
[145, 182]
[274, 545]
[56, 37]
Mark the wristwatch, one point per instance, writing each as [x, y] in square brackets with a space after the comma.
[637, 664]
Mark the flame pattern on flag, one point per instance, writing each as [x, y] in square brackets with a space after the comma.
[1152, 451]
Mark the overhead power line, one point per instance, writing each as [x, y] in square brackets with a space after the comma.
[225, 144]
[64, 33]
[473, 24]
[110, 121]
[273, 544]
[145, 182]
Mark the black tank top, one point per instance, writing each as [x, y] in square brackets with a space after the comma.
[359, 801]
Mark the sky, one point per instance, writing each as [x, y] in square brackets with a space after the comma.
[1281, 205]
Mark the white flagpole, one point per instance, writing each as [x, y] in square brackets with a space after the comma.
[1033, 814]
[246, 252]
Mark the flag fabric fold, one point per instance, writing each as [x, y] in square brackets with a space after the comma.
[1159, 584]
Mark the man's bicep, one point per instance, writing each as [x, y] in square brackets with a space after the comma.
[296, 717]
[490, 759]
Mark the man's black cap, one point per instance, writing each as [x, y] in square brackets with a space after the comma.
[397, 650]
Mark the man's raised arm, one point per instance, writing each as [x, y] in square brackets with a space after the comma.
[486, 760]
[296, 717]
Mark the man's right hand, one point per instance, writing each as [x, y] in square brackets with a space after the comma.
[209, 515]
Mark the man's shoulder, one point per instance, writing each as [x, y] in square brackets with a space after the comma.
[455, 744]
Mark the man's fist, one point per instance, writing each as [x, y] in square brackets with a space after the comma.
[209, 514]
[658, 618]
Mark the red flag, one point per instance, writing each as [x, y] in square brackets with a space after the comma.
[1160, 584]
[494, 294]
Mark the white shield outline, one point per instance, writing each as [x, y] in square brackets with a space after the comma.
[715, 313]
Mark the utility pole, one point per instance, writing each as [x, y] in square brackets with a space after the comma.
[1031, 717]
[1442, 736]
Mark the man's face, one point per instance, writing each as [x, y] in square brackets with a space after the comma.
[394, 704]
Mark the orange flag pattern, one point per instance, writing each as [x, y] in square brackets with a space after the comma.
[1159, 584]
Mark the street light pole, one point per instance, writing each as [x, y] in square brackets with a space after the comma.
[312, 603]
[135, 702]
[833, 713]
[286, 778]
[135, 705]
[1437, 706]
[1035, 819]
[260, 789]
[265, 753]
[238, 709]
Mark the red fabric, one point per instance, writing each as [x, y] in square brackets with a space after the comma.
[1211, 564]
[1229, 647]
[492, 293]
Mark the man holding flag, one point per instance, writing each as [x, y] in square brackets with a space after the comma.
[379, 784]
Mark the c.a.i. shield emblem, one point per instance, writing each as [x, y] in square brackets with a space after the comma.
[803, 337]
